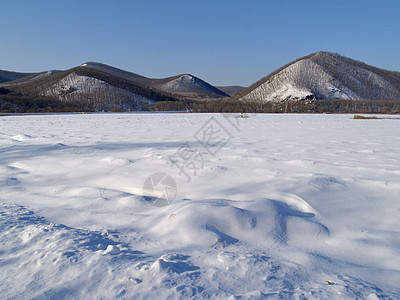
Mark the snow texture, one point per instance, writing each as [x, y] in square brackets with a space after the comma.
[291, 207]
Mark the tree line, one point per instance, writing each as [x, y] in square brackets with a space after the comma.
[14, 102]
[228, 105]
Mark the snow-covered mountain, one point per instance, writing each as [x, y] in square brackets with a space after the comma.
[87, 89]
[112, 70]
[184, 84]
[189, 85]
[325, 75]
[97, 93]
[96, 86]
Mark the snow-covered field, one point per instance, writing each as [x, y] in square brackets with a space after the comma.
[270, 206]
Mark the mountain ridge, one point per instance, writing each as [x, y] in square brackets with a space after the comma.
[325, 75]
[319, 82]
[185, 85]
[189, 83]
[101, 87]
[231, 89]
[6, 76]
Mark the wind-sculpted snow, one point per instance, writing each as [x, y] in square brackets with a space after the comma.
[306, 210]
[326, 75]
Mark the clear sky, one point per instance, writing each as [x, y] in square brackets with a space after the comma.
[225, 42]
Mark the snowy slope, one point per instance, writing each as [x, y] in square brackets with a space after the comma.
[74, 87]
[313, 199]
[189, 85]
[326, 75]
[113, 71]
[97, 87]
[184, 84]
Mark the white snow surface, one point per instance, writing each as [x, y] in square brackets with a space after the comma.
[285, 207]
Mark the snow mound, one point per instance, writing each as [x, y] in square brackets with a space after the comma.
[21, 137]
[222, 222]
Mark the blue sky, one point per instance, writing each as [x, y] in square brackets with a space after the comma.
[225, 42]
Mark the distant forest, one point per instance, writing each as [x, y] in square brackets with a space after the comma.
[229, 105]
[13, 102]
